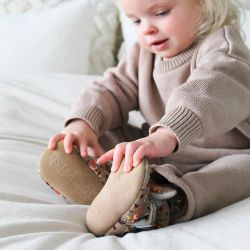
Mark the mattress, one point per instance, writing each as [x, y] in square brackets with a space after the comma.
[32, 216]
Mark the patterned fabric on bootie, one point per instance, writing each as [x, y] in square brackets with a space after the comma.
[132, 202]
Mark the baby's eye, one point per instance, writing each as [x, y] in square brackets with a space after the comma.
[162, 13]
[136, 21]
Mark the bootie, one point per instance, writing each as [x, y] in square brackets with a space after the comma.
[129, 202]
[78, 179]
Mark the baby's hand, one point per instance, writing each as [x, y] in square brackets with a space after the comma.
[78, 133]
[161, 143]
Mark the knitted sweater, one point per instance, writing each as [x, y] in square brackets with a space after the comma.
[202, 95]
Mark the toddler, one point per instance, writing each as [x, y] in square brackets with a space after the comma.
[189, 75]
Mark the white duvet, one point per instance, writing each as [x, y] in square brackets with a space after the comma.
[32, 108]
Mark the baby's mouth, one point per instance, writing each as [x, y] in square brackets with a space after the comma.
[159, 45]
[156, 43]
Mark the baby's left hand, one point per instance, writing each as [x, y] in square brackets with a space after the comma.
[161, 143]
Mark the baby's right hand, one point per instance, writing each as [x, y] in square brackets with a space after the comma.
[78, 133]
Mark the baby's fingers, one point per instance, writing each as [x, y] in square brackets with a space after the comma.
[129, 152]
[53, 141]
[108, 156]
[69, 141]
[118, 156]
[83, 149]
[140, 153]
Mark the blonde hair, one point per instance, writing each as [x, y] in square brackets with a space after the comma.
[218, 13]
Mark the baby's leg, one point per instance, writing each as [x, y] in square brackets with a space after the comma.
[219, 184]
[214, 186]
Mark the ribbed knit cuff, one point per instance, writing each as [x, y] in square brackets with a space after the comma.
[182, 122]
[90, 114]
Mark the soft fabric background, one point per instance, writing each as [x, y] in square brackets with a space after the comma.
[246, 27]
[67, 36]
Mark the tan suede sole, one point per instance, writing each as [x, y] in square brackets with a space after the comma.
[69, 175]
[115, 199]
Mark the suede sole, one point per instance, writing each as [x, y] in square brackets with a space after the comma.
[69, 175]
[115, 199]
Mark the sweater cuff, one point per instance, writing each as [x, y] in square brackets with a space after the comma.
[182, 122]
[89, 114]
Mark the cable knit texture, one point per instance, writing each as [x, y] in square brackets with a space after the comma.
[203, 96]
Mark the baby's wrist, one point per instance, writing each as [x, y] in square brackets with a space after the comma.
[170, 136]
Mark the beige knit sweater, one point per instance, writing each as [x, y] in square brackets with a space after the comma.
[202, 95]
[203, 92]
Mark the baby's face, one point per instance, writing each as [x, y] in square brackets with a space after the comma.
[164, 27]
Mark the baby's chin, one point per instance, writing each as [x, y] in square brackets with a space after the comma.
[168, 53]
[165, 53]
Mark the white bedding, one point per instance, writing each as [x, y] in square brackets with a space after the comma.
[32, 108]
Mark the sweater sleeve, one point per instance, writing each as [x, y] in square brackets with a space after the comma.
[105, 103]
[215, 98]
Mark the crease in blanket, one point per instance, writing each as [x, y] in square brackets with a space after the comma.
[39, 141]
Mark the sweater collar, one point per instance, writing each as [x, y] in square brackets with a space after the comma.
[166, 64]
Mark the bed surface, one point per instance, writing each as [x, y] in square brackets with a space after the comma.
[32, 108]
